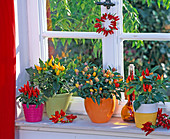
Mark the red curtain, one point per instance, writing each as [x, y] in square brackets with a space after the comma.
[7, 69]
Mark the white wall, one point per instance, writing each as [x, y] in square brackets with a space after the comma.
[22, 50]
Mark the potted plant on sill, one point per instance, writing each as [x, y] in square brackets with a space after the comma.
[100, 88]
[32, 102]
[149, 90]
[50, 78]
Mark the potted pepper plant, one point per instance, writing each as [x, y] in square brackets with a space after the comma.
[149, 88]
[49, 76]
[100, 88]
[32, 102]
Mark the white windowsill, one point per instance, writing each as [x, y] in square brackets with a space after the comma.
[82, 125]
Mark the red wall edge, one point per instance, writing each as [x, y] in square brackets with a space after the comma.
[7, 69]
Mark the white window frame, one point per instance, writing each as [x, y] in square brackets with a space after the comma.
[112, 46]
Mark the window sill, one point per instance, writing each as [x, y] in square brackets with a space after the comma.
[83, 126]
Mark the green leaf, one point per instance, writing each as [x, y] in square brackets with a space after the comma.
[27, 104]
[155, 68]
[137, 73]
[56, 86]
[74, 90]
[98, 100]
[41, 63]
[136, 104]
[159, 3]
[130, 91]
[63, 41]
[93, 99]
[30, 71]
[69, 41]
[149, 2]
[140, 98]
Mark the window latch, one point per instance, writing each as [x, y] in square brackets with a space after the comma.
[107, 3]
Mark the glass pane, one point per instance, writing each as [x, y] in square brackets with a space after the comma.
[72, 15]
[149, 54]
[86, 50]
[151, 19]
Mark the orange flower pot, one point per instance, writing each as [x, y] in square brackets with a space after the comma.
[100, 113]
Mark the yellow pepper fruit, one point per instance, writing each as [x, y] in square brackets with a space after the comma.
[141, 78]
[58, 72]
[62, 68]
[91, 90]
[87, 81]
[76, 70]
[77, 85]
[94, 74]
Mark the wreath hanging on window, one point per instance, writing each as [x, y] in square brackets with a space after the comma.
[111, 19]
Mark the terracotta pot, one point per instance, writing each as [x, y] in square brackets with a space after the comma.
[57, 102]
[100, 113]
[146, 113]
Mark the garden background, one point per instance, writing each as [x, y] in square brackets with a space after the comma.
[139, 16]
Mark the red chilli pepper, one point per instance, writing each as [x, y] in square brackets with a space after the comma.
[147, 72]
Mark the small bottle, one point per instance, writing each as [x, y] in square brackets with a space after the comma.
[127, 112]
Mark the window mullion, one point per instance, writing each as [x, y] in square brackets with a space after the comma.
[33, 31]
[145, 36]
[43, 28]
[67, 34]
[111, 49]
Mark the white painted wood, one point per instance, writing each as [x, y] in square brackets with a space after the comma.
[66, 34]
[122, 36]
[146, 36]
[82, 127]
[120, 41]
[23, 134]
[110, 43]
[43, 28]
[33, 31]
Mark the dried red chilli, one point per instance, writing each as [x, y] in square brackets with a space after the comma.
[162, 120]
[112, 25]
[62, 117]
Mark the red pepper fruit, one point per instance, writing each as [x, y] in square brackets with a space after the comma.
[159, 77]
[147, 72]
[143, 74]
[147, 86]
[62, 113]
[117, 84]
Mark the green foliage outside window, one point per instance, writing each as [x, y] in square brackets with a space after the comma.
[139, 16]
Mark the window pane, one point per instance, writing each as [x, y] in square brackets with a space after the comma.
[72, 15]
[152, 18]
[86, 50]
[150, 54]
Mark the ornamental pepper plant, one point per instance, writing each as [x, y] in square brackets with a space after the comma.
[30, 95]
[149, 87]
[96, 83]
[49, 76]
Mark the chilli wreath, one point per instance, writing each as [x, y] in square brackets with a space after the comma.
[112, 26]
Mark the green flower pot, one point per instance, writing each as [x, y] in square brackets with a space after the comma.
[57, 102]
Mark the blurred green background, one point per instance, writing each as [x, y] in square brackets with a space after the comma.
[140, 16]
